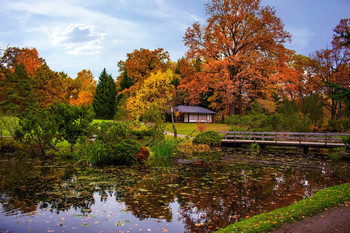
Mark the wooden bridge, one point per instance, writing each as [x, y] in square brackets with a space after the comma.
[303, 140]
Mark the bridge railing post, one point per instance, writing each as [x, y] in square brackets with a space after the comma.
[325, 138]
[276, 137]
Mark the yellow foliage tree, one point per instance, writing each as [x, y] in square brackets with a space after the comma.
[157, 90]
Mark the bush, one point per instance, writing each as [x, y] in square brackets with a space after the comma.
[124, 152]
[97, 153]
[141, 134]
[112, 132]
[100, 153]
[338, 154]
[339, 125]
[142, 155]
[210, 138]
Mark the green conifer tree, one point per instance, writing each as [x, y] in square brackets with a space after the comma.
[104, 102]
[19, 92]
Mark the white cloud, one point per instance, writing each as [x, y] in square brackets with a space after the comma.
[64, 31]
[78, 39]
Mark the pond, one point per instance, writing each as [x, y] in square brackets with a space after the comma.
[51, 196]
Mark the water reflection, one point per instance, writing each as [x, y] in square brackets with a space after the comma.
[56, 197]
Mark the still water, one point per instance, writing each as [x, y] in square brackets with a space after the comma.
[51, 196]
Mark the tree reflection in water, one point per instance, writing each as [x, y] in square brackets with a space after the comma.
[207, 197]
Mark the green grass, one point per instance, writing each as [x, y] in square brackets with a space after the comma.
[191, 129]
[327, 198]
[100, 121]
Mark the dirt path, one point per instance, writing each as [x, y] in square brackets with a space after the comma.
[332, 220]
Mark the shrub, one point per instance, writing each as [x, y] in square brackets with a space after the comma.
[142, 155]
[339, 125]
[97, 153]
[210, 138]
[141, 134]
[100, 153]
[112, 132]
[124, 152]
[338, 154]
[201, 127]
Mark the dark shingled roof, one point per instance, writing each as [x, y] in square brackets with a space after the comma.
[192, 109]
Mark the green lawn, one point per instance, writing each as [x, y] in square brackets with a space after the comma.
[191, 129]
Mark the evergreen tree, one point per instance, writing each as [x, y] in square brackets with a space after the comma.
[19, 92]
[104, 102]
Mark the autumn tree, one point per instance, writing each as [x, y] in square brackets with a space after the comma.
[342, 33]
[105, 97]
[238, 45]
[157, 91]
[29, 57]
[48, 86]
[294, 79]
[141, 63]
[85, 88]
[332, 65]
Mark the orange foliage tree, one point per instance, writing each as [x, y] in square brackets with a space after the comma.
[48, 86]
[13, 56]
[333, 65]
[239, 46]
[141, 63]
[85, 88]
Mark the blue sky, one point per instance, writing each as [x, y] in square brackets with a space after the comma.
[72, 35]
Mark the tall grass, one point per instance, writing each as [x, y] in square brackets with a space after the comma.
[164, 150]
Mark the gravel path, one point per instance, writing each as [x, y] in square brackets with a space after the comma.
[331, 220]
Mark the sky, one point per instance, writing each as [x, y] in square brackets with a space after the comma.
[72, 35]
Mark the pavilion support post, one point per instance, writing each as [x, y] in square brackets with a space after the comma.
[305, 150]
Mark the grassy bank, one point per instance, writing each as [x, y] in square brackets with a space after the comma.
[327, 198]
[191, 129]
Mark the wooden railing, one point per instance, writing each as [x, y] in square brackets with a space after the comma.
[286, 138]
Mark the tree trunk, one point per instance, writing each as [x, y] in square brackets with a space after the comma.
[232, 109]
[71, 147]
[333, 110]
[239, 101]
[173, 121]
[339, 111]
